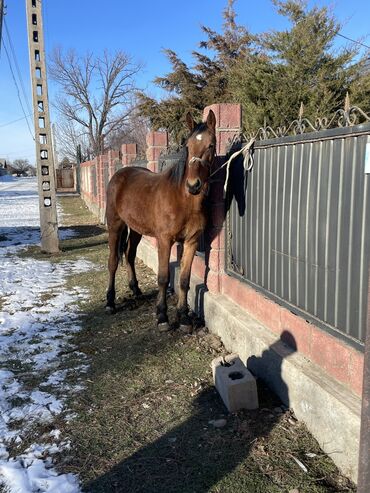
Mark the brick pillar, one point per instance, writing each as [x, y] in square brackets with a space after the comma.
[113, 159]
[228, 124]
[156, 143]
[129, 153]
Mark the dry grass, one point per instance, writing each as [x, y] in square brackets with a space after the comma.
[143, 420]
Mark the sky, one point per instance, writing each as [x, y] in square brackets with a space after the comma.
[141, 28]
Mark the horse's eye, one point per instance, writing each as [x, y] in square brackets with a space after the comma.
[211, 146]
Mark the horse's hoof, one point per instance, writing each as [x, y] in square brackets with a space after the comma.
[111, 310]
[164, 327]
[186, 329]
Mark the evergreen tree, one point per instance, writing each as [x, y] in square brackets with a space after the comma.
[193, 88]
[360, 86]
[270, 74]
[298, 65]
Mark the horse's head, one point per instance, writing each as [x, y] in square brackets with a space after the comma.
[201, 147]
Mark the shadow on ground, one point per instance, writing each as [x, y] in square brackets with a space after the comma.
[87, 236]
[196, 455]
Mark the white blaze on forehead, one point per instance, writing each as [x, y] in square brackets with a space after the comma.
[199, 137]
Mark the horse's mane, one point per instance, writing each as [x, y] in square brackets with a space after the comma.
[176, 172]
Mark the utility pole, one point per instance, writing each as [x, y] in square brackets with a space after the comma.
[44, 149]
[1, 21]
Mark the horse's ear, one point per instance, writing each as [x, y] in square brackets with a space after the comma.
[190, 121]
[211, 120]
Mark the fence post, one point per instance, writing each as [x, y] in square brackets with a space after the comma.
[156, 143]
[228, 124]
[129, 153]
[363, 485]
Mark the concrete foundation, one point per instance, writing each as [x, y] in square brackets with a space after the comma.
[329, 409]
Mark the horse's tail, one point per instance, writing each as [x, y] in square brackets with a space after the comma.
[123, 242]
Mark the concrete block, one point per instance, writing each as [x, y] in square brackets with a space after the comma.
[235, 383]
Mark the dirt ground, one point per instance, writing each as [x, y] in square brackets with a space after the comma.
[145, 421]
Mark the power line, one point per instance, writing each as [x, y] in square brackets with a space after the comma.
[353, 40]
[21, 151]
[18, 93]
[14, 121]
[20, 78]
[2, 7]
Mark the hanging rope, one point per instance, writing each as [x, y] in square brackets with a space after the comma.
[247, 152]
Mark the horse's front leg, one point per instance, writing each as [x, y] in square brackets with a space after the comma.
[164, 250]
[185, 270]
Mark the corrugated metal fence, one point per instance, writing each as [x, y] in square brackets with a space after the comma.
[304, 236]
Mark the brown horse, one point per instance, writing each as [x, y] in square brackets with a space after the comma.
[168, 206]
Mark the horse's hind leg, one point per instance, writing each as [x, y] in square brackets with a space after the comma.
[116, 228]
[130, 254]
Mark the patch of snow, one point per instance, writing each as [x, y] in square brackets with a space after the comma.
[20, 221]
[38, 318]
[32, 473]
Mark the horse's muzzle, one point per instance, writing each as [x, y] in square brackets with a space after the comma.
[194, 188]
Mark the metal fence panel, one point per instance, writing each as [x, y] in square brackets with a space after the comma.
[143, 163]
[305, 236]
[172, 158]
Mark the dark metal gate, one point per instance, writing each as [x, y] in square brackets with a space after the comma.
[304, 238]
[65, 179]
[142, 163]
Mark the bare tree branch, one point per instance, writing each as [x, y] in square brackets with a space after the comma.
[68, 137]
[19, 166]
[97, 93]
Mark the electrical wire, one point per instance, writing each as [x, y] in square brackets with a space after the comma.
[14, 121]
[353, 40]
[20, 78]
[23, 151]
[18, 92]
